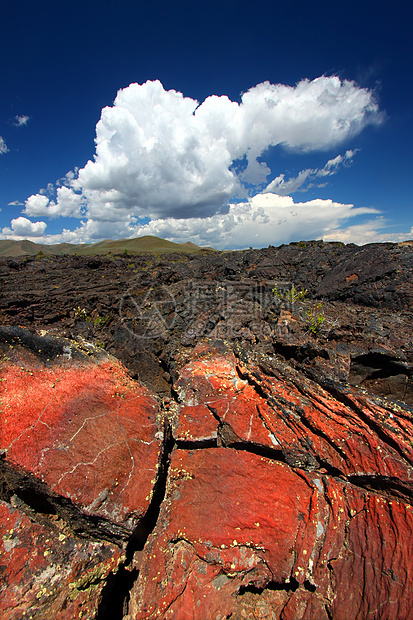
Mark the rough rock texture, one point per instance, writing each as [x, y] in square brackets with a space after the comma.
[48, 573]
[139, 307]
[256, 462]
[80, 432]
[80, 445]
[284, 500]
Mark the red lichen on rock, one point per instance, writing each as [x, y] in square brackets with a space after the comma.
[305, 516]
[270, 495]
[47, 573]
[86, 431]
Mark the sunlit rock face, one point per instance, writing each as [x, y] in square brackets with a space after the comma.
[281, 501]
[80, 451]
[207, 448]
[252, 492]
[46, 571]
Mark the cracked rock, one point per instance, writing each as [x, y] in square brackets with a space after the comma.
[241, 467]
[81, 435]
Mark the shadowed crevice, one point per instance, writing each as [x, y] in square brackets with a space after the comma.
[384, 485]
[286, 586]
[199, 444]
[35, 498]
[116, 593]
[147, 524]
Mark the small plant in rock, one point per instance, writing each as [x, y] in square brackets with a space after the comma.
[291, 295]
[81, 314]
[100, 320]
[316, 319]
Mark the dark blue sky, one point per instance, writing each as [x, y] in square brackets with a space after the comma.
[63, 62]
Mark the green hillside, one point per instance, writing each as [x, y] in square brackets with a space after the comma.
[139, 245]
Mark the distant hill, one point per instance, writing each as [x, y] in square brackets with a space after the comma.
[138, 245]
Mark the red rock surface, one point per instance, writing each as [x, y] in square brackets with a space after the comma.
[217, 402]
[271, 494]
[218, 532]
[302, 518]
[283, 410]
[86, 431]
[243, 535]
[47, 573]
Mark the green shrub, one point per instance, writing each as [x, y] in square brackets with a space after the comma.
[291, 295]
[315, 319]
[99, 320]
[81, 314]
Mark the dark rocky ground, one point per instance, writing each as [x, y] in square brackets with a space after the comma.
[257, 460]
[353, 325]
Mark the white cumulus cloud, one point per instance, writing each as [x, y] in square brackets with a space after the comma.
[182, 164]
[367, 232]
[68, 204]
[160, 154]
[155, 157]
[36, 205]
[263, 220]
[22, 227]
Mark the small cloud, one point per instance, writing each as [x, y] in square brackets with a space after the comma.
[49, 191]
[3, 146]
[67, 180]
[15, 203]
[283, 188]
[22, 227]
[333, 165]
[67, 204]
[305, 179]
[21, 121]
[368, 232]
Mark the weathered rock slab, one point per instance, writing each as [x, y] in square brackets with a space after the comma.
[45, 572]
[80, 432]
[303, 502]
[243, 536]
[271, 492]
